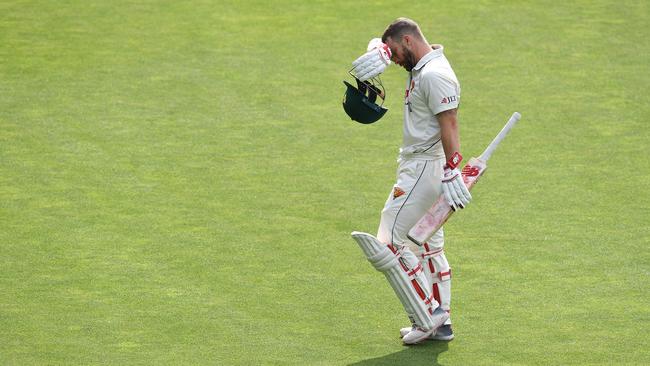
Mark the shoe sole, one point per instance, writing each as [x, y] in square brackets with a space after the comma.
[434, 337]
[441, 338]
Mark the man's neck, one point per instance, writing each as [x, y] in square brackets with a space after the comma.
[421, 50]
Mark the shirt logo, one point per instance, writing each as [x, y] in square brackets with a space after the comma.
[449, 99]
[410, 89]
[407, 100]
[397, 192]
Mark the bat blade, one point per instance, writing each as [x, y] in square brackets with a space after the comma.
[438, 214]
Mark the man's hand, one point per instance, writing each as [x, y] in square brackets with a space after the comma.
[453, 187]
[373, 62]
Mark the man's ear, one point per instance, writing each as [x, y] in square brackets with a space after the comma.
[407, 40]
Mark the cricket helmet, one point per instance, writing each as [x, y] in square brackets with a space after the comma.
[359, 102]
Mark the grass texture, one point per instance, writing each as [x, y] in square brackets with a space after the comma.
[178, 182]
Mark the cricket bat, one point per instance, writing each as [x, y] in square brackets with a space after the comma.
[438, 214]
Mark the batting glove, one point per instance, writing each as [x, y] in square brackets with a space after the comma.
[453, 187]
[373, 62]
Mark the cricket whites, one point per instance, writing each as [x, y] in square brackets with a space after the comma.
[438, 214]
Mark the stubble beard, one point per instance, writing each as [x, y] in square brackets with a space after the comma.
[409, 63]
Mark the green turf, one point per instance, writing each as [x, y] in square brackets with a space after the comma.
[178, 182]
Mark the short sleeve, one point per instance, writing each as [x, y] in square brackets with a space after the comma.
[442, 93]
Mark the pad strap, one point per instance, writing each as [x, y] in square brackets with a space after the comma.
[436, 276]
[414, 272]
[443, 276]
[432, 253]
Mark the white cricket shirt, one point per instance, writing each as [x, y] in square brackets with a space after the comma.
[432, 87]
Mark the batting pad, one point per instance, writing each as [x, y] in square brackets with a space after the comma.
[405, 275]
[438, 272]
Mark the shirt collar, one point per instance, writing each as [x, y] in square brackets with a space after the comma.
[436, 51]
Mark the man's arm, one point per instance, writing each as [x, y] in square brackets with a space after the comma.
[453, 187]
[449, 132]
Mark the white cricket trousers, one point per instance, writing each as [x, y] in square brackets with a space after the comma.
[418, 186]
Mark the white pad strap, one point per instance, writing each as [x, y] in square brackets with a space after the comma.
[438, 265]
[405, 275]
[432, 253]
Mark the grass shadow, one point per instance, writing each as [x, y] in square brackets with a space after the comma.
[423, 354]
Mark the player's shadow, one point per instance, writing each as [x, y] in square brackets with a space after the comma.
[422, 354]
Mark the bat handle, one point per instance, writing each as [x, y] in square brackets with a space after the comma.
[497, 140]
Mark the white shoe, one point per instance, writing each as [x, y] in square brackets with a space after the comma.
[417, 334]
[405, 331]
[444, 333]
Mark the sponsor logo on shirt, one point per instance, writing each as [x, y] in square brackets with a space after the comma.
[449, 99]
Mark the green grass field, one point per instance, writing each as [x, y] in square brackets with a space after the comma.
[178, 182]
